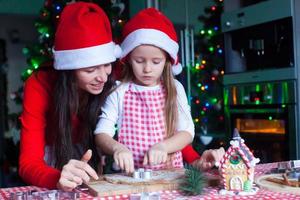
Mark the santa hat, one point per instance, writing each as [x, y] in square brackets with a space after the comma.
[83, 38]
[151, 27]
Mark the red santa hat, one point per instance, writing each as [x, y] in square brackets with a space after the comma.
[83, 38]
[151, 27]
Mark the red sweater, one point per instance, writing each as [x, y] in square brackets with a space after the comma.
[37, 97]
[37, 102]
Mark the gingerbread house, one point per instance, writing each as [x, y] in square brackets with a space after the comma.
[237, 166]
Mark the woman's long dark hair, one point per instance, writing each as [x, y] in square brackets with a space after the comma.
[68, 104]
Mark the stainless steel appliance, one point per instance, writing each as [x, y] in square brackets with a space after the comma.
[264, 114]
[261, 81]
[259, 40]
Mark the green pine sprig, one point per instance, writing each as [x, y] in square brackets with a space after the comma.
[194, 181]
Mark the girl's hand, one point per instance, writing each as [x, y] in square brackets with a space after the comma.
[123, 158]
[157, 154]
[75, 172]
[209, 158]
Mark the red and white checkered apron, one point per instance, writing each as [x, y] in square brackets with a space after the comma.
[143, 125]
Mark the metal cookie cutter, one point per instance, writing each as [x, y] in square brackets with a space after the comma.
[141, 173]
[44, 195]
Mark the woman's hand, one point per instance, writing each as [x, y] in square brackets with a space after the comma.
[157, 154]
[123, 158]
[75, 172]
[209, 158]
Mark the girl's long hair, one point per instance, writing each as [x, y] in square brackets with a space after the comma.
[69, 105]
[171, 109]
[171, 105]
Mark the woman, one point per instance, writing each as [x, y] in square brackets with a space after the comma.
[58, 103]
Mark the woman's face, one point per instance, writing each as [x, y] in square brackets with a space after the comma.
[92, 79]
[147, 64]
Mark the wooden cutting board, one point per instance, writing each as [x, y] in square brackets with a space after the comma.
[118, 184]
[264, 183]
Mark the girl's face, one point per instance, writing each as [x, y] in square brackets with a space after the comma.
[92, 79]
[147, 64]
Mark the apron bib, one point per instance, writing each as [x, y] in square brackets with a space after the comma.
[143, 125]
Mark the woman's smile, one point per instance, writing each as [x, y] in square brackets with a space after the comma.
[97, 86]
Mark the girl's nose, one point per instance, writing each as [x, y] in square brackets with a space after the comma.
[147, 68]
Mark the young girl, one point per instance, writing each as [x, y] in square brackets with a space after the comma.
[61, 106]
[150, 107]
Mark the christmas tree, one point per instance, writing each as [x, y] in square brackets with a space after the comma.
[40, 54]
[206, 76]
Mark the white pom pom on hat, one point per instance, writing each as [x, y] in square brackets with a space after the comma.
[151, 27]
[117, 51]
[177, 69]
[83, 38]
